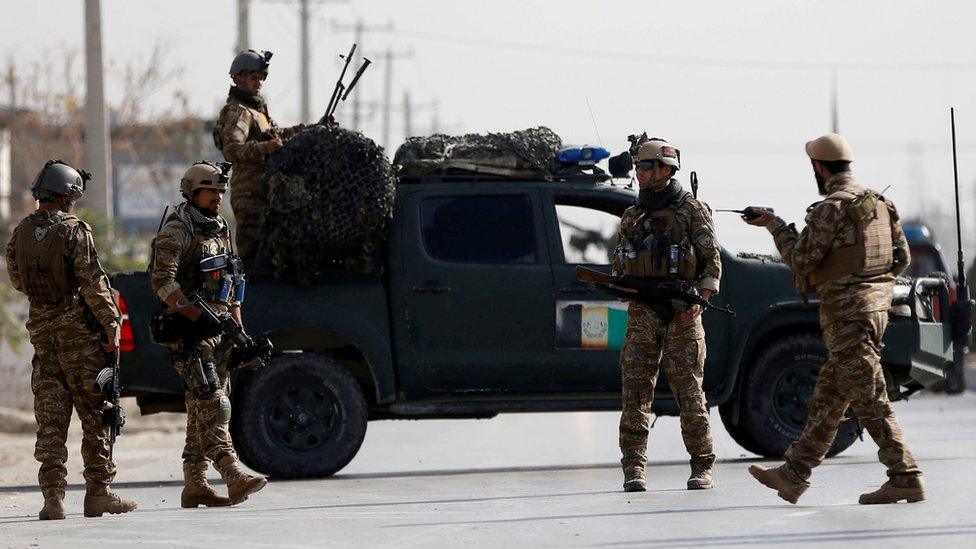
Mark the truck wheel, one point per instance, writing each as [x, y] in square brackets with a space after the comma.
[301, 416]
[775, 397]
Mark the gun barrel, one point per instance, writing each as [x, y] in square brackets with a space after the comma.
[355, 79]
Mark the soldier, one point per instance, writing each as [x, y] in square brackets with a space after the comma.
[246, 135]
[849, 253]
[73, 323]
[668, 235]
[193, 233]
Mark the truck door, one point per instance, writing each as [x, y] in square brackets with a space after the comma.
[474, 291]
[589, 324]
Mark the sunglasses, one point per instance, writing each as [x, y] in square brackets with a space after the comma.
[649, 164]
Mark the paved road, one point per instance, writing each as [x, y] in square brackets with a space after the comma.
[539, 480]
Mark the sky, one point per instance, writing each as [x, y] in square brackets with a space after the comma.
[737, 86]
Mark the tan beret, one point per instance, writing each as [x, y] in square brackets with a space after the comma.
[830, 147]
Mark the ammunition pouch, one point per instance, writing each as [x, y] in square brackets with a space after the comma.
[646, 265]
[200, 378]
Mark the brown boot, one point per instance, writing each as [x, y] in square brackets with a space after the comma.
[101, 500]
[911, 489]
[53, 508]
[634, 477]
[701, 475]
[787, 485]
[239, 484]
[196, 490]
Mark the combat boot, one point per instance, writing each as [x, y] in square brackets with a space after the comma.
[787, 485]
[53, 508]
[196, 490]
[634, 478]
[239, 484]
[701, 475]
[101, 500]
[910, 489]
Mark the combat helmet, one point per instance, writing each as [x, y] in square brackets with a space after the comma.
[251, 61]
[829, 148]
[56, 179]
[660, 150]
[205, 175]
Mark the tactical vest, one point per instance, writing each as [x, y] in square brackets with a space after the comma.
[215, 286]
[41, 253]
[871, 253]
[262, 127]
[659, 247]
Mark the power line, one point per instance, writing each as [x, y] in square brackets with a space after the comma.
[686, 60]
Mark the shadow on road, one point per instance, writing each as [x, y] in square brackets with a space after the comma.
[809, 537]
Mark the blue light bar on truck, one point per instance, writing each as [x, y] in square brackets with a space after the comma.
[585, 155]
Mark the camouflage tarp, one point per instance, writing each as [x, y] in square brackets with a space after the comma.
[528, 151]
[331, 193]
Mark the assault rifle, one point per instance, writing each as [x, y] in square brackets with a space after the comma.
[109, 382]
[246, 352]
[341, 91]
[666, 297]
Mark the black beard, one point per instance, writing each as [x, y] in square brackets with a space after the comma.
[206, 211]
[821, 184]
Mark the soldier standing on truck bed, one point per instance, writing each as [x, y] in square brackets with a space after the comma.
[192, 256]
[850, 252]
[667, 236]
[246, 135]
[73, 323]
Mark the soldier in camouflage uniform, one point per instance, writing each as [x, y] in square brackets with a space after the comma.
[667, 235]
[849, 253]
[196, 232]
[73, 323]
[246, 135]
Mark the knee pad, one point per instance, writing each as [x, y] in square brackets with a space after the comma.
[223, 409]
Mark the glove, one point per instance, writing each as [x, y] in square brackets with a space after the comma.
[206, 327]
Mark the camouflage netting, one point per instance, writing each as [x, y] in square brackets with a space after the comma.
[331, 193]
[525, 151]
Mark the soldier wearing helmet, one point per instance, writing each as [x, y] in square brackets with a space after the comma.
[849, 253]
[73, 322]
[247, 135]
[666, 236]
[192, 257]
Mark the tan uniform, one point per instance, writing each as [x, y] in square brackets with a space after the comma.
[51, 257]
[177, 250]
[853, 317]
[649, 337]
[243, 127]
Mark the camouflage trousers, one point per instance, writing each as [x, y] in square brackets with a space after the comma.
[66, 360]
[852, 377]
[649, 345]
[249, 211]
[207, 434]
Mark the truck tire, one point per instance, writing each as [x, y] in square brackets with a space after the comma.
[301, 416]
[776, 394]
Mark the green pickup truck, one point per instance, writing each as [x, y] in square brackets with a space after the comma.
[479, 312]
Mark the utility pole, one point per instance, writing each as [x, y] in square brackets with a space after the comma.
[388, 59]
[834, 116]
[243, 24]
[407, 116]
[359, 30]
[12, 84]
[98, 158]
[306, 54]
